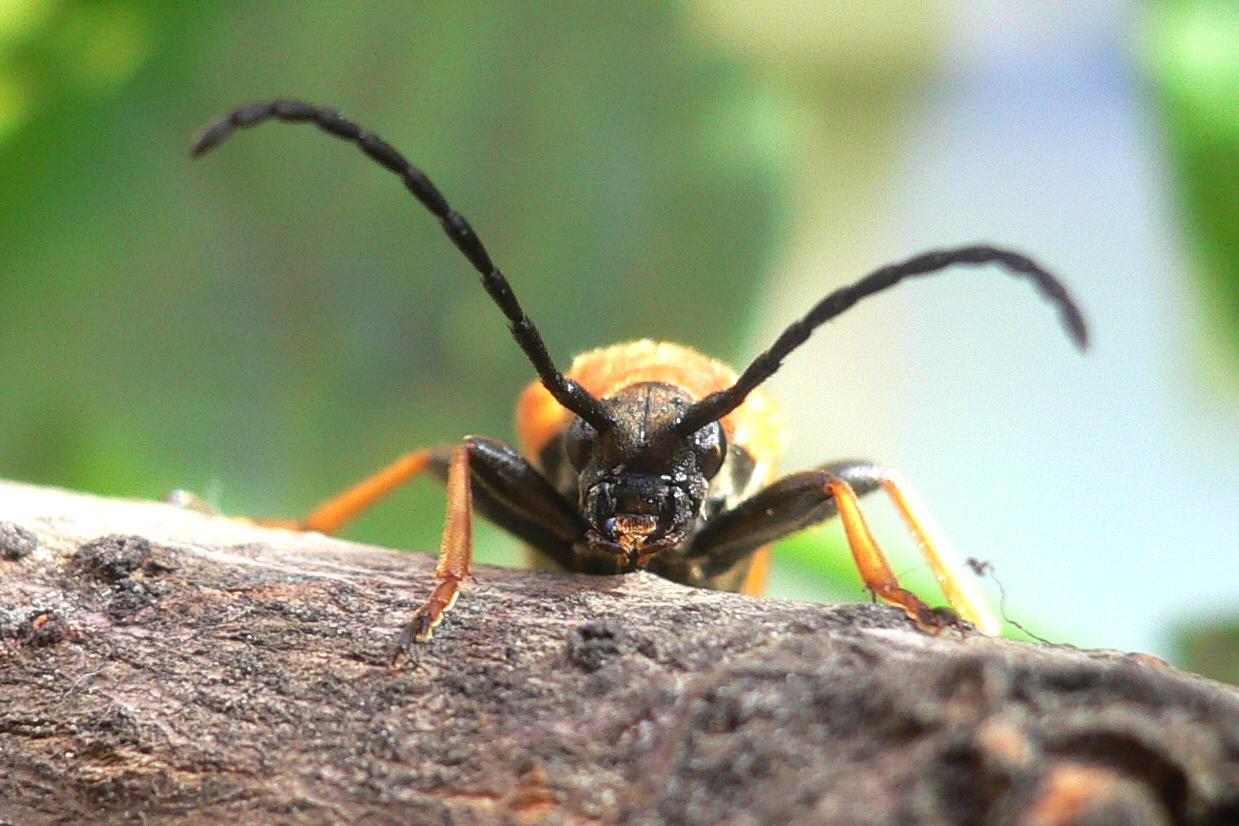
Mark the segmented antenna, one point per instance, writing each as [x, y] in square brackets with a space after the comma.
[717, 405]
[567, 392]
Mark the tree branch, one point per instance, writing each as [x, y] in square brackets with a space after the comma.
[162, 666]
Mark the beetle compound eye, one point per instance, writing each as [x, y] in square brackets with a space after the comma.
[714, 446]
[579, 443]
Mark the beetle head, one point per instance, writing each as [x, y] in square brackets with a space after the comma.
[642, 482]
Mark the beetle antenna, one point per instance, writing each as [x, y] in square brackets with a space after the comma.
[566, 391]
[717, 405]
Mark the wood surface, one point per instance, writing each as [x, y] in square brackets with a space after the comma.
[161, 666]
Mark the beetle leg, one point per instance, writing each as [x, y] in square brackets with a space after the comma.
[787, 505]
[455, 554]
[507, 490]
[803, 499]
[513, 494]
[875, 571]
[960, 589]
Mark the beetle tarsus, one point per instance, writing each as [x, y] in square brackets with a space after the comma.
[427, 618]
[416, 630]
[934, 621]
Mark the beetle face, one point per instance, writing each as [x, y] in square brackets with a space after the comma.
[641, 485]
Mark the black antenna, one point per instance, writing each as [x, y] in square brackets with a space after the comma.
[717, 405]
[567, 392]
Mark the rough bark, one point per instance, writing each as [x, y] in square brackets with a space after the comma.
[159, 666]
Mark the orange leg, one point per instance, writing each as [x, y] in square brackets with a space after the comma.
[960, 590]
[802, 499]
[524, 499]
[455, 550]
[755, 580]
[875, 570]
[455, 555]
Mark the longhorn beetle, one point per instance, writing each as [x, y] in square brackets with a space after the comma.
[648, 455]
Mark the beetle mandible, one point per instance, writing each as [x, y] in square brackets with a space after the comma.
[648, 455]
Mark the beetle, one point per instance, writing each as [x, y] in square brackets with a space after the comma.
[648, 455]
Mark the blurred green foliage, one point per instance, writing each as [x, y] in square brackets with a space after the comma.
[1210, 648]
[1192, 51]
[268, 324]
